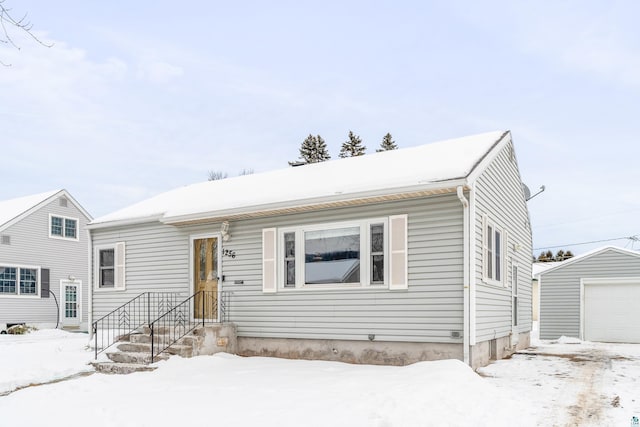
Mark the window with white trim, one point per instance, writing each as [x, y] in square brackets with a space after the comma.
[109, 266]
[63, 228]
[345, 254]
[493, 241]
[19, 280]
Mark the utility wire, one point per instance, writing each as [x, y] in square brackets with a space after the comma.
[632, 238]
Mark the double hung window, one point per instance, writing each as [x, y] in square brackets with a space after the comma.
[109, 266]
[493, 241]
[16, 280]
[63, 228]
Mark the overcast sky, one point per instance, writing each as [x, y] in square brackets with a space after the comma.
[140, 97]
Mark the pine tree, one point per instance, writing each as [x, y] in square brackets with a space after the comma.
[387, 144]
[314, 150]
[352, 147]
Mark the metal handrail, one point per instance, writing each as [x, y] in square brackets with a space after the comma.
[130, 316]
[199, 309]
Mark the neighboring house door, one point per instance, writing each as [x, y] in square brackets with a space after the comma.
[70, 298]
[205, 273]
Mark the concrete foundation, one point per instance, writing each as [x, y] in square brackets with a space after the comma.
[365, 352]
[216, 338]
[485, 352]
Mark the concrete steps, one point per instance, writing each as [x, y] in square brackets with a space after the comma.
[133, 352]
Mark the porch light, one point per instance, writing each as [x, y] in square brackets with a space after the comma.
[224, 229]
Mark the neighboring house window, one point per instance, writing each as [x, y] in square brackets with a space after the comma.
[493, 241]
[347, 254]
[15, 280]
[62, 227]
[109, 266]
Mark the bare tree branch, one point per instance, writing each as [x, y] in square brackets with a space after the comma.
[9, 23]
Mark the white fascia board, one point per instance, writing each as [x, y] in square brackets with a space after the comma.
[310, 203]
[125, 222]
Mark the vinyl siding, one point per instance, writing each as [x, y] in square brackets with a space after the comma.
[499, 196]
[431, 308]
[31, 245]
[560, 290]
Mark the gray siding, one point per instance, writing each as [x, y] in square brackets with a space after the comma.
[31, 245]
[560, 289]
[158, 259]
[499, 195]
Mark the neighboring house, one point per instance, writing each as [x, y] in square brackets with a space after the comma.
[43, 261]
[414, 254]
[592, 297]
[536, 269]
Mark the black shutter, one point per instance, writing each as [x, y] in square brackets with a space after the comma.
[44, 283]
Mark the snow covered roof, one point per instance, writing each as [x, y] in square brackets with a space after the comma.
[425, 168]
[539, 267]
[586, 255]
[13, 210]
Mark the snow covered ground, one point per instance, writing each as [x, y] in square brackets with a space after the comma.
[41, 356]
[553, 384]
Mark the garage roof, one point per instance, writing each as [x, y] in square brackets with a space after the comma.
[587, 255]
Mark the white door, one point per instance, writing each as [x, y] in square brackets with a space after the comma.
[70, 298]
[610, 311]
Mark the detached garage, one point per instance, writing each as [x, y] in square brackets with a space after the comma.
[593, 297]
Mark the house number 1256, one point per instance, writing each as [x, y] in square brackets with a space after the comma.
[229, 253]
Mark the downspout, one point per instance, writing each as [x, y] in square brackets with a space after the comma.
[90, 286]
[465, 268]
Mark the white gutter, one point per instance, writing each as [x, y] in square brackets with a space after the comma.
[465, 268]
[472, 265]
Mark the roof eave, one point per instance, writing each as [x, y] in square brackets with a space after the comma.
[342, 200]
[124, 222]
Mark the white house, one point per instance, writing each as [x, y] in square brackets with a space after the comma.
[44, 261]
[414, 254]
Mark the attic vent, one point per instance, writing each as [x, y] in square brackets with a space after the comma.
[63, 202]
[5, 240]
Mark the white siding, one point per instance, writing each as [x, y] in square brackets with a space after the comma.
[429, 311]
[31, 245]
[560, 290]
[499, 196]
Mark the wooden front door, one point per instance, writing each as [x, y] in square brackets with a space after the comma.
[206, 265]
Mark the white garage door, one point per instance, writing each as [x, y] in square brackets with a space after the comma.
[611, 312]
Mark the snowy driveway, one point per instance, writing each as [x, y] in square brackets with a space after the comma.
[573, 383]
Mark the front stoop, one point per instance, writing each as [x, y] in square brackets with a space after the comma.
[133, 352]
